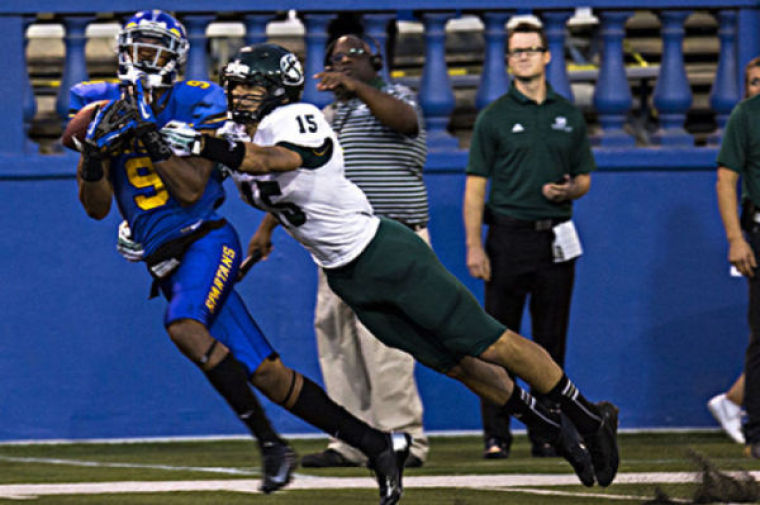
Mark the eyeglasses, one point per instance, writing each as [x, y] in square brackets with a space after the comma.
[351, 53]
[528, 51]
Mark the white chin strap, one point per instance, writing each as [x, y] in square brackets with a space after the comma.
[132, 74]
[150, 81]
[154, 81]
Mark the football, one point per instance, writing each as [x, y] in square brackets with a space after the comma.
[77, 126]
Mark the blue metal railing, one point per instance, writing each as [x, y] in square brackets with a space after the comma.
[739, 20]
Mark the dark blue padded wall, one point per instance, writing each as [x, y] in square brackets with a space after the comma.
[657, 324]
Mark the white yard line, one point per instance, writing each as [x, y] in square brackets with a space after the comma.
[582, 494]
[102, 464]
[514, 481]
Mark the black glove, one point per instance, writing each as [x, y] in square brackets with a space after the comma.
[92, 162]
[112, 126]
[154, 143]
[146, 130]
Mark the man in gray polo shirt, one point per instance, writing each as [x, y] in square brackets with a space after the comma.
[380, 129]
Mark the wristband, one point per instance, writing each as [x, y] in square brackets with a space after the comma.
[229, 154]
[158, 149]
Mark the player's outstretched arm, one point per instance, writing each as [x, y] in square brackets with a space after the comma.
[237, 155]
[249, 157]
[259, 159]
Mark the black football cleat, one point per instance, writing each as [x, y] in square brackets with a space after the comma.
[278, 462]
[602, 444]
[570, 446]
[389, 467]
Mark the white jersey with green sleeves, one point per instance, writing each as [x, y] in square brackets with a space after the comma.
[316, 203]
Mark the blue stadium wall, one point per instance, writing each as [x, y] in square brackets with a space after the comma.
[657, 324]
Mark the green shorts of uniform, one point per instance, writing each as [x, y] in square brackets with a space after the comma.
[408, 300]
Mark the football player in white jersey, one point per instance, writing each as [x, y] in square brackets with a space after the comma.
[286, 160]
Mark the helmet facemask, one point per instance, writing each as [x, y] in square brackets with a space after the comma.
[241, 106]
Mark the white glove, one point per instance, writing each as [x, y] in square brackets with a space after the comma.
[233, 132]
[128, 248]
[235, 136]
[183, 140]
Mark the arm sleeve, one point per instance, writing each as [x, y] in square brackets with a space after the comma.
[76, 101]
[301, 128]
[481, 148]
[733, 148]
[298, 124]
[313, 157]
[86, 92]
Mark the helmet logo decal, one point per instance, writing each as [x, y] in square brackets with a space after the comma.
[237, 68]
[292, 73]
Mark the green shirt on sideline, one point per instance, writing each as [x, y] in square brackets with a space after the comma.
[740, 150]
[521, 145]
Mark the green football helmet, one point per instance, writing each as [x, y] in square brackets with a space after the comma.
[268, 65]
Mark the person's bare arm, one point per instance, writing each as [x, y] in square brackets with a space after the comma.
[474, 203]
[389, 110]
[260, 159]
[261, 241]
[740, 253]
[95, 196]
[250, 157]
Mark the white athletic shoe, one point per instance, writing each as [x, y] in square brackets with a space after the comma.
[729, 415]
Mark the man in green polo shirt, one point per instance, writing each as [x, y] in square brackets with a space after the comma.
[740, 156]
[532, 144]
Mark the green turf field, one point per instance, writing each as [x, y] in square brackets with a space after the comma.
[452, 471]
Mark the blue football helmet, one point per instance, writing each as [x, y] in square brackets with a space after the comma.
[153, 44]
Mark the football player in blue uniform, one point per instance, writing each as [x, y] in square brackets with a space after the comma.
[192, 252]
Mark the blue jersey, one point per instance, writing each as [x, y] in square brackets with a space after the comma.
[154, 216]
